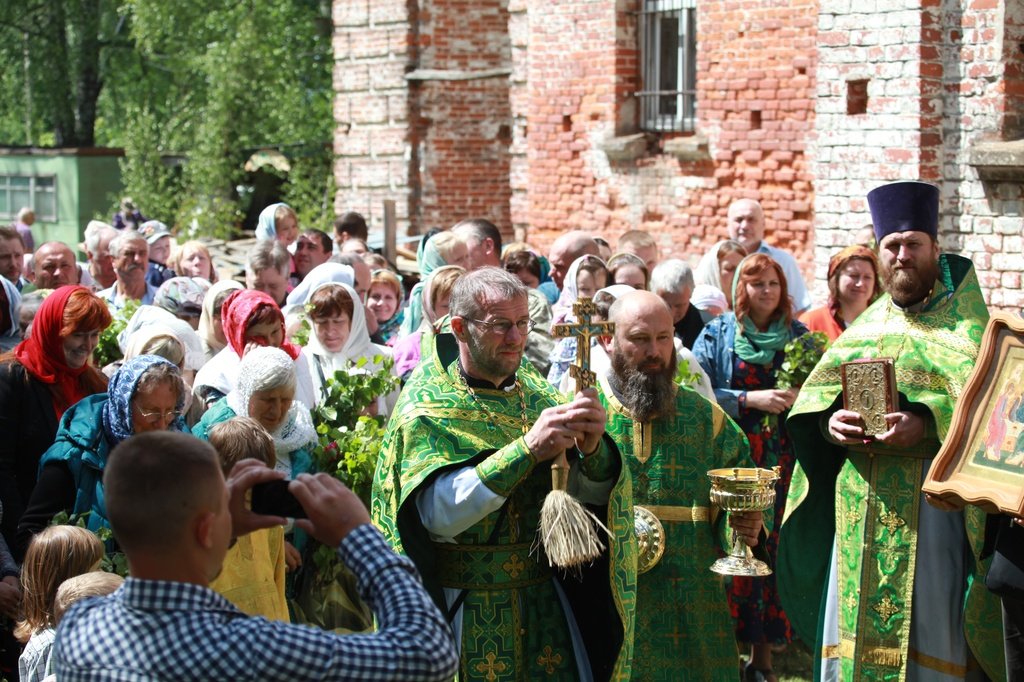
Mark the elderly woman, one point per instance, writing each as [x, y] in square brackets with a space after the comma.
[434, 297]
[852, 287]
[211, 332]
[266, 392]
[717, 267]
[146, 394]
[40, 379]
[742, 352]
[192, 259]
[249, 319]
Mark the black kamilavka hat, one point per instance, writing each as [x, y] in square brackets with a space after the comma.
[904, 207]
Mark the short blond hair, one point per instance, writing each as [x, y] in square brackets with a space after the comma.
[94, 584]
[241, 438]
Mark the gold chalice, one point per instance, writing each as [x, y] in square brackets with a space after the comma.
[742, 490]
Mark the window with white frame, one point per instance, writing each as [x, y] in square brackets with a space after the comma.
[38, 192]
[668, 54]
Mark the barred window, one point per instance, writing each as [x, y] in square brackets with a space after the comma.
[668, 54]
[37, 192]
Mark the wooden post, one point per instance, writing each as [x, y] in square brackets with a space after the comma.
[390, 231]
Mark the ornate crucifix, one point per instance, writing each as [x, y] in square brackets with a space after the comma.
[584, 330]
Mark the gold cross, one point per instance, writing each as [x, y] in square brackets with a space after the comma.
[584, 329]
[550, 660]
[886, 609]
[672, 467]
[514, 566]
[675, 636]
[491, 667]
[891, 520]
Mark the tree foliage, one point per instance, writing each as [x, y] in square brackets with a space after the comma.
[203, 81]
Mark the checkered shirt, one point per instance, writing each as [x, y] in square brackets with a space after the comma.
[161, 630]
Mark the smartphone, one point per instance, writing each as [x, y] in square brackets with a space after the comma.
[274, 499]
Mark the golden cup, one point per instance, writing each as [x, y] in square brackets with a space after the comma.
[742, 490]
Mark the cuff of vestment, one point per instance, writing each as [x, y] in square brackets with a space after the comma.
[507, 468]
[599, 465]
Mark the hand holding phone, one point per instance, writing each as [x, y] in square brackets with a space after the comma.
[274, 498]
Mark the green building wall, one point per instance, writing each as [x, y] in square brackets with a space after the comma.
[88, 183]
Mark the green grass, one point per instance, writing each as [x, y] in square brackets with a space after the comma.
[795, 664]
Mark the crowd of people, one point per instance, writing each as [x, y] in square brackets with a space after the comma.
[156, 454]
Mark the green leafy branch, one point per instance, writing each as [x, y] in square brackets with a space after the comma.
[800, 357]
[348, 439]
[108, 350]
[112, 562]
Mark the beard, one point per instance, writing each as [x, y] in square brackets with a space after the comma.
[909, 285]
[645, 391]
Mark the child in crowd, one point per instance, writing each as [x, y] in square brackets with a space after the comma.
[75, 588]
[252, 577]
[55, 554]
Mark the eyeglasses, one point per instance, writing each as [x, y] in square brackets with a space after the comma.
[158, 416]
[503, 327]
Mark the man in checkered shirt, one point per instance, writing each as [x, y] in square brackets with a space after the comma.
[174, 517]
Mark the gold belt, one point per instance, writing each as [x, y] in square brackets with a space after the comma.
[650, 534]
[681, 514]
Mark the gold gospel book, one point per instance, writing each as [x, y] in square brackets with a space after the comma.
[869, 389]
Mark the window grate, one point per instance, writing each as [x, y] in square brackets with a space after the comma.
[668, 49]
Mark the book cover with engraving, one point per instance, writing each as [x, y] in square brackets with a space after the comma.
[869, 389]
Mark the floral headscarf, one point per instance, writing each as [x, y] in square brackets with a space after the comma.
[238, 308]
[182, 295]
[117, 412]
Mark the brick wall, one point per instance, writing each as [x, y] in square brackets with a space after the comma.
[939, 81]
[423, 110]
[373, 44]
[582, 68]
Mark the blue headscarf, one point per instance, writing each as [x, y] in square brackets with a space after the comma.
[266, 228]
[117, 412]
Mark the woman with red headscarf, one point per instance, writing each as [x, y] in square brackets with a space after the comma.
[42, 377]
[852, 286]
[250, 318]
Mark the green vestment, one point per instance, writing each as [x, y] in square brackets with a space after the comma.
[867, 499]
[513, 625]
[683, 627]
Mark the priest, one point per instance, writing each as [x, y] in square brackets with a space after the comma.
[886, 585]
[460, 484]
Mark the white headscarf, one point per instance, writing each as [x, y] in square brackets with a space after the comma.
[357, 345]
[206, 330]
[148, 315]
[562, 310]
[321, 274]
[266, 368]
[707, 271]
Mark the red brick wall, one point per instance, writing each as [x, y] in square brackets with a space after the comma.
[583, 69]
[463, 128]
